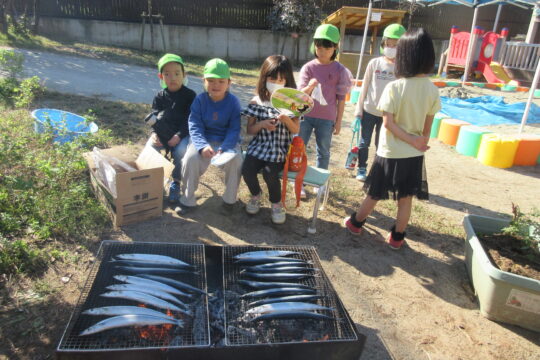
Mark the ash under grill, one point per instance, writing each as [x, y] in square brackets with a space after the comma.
[240, 331]
[195, 332]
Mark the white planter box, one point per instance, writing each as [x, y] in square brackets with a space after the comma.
[503, 296]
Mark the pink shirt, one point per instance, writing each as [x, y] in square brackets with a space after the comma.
[335, 80]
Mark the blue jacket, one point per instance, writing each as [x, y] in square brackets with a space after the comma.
[211, 121]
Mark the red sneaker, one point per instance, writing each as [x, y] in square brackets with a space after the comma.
[352, 229]
[394, 244]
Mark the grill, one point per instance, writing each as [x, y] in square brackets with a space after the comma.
[195, 333]
[241, 332]
[217, 331]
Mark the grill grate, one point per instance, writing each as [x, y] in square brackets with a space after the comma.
[241, 332]
[195, 333]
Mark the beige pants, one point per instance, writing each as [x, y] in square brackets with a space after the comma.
[194, 165]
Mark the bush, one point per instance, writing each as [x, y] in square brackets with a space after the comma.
[44, 191]
[12, 92]
[526, 228]
[11, 62]
[18, 257]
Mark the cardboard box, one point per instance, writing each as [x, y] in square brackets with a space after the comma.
[139, 193]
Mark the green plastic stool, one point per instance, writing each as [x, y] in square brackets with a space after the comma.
[437, 124]
[469, 140]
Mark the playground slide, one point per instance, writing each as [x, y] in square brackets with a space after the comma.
[495, 73]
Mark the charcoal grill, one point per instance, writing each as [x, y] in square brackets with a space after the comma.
[194, 334]
[328, 340]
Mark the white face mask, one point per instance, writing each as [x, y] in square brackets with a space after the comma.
[273, 87]
[390, 52]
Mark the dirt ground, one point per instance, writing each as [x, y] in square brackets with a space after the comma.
[416, 303]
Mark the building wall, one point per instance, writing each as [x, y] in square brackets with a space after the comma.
[229, 43]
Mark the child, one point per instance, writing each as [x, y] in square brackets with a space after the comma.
[379, 72]
[214, 127]
[171, 107]
[335, 80]
[408, 105]
[267, 151]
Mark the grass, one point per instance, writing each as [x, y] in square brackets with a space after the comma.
[243, 72]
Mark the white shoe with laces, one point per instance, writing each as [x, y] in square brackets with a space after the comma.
[254, 205]
[278, 213]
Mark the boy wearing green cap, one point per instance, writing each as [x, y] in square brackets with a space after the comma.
[334, 81]
[170, 110]
[214, 127]
[379, 72]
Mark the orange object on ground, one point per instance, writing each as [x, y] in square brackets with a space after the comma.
[528, 149]
[439, 84]
[522, 89]
[449, 130]
[297, 162]
[492, 86]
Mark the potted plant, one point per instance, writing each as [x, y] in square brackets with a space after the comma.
[504, 296]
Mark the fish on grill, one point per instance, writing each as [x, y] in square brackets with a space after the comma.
[282, 269]
[145, 299]
[152, 270]
[140, 263]
[265, 253]
[128, 320]
[279, 264]
[268, 259]
[140, 288]
[278, 292]
[287, 307]
[151, 284]
[172, 282]
[292, 315]
[277, 276]
[125, 310]
[303, 298]
[269, 285]
[152, 258]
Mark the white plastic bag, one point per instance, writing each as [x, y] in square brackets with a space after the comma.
[318, 95]
[106, 168]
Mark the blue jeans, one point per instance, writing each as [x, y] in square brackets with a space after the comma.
[323, 136]
[177, 152]
[368, 123]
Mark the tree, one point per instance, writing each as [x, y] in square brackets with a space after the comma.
[294, 17]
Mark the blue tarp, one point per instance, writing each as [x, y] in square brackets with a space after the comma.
[488, 110]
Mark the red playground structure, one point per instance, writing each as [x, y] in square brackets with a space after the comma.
[486, 47]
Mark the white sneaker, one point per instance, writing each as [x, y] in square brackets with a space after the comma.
[303, 193]
[254, 205]
[278, 213]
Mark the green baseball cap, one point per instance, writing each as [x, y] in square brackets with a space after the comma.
[394, 31]
[167, 58]
[327, 32]
[216, 69]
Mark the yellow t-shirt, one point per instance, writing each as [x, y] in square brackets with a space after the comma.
[410, 100]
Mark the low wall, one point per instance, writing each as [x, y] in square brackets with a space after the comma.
[228, 43]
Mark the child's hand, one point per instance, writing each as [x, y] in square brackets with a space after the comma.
[174, 141]
[337, 128]
[269, 124]
[420, 143]
[208, 152]
[313, 83]
[155, 139]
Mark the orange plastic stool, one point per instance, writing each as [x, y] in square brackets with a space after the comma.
[528, 149]
[449, 130]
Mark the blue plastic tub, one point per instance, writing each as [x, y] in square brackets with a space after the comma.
[66, 126]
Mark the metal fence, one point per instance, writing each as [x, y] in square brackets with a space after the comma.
[253, 14]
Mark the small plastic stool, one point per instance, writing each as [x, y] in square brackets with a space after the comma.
[469, 140]
[437, 124]
[449, 130]
[497, 151]
[528, 150]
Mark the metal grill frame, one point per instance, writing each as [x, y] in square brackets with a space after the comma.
[343, 330]
[102, 269]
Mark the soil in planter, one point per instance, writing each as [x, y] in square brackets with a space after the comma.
[509, 254]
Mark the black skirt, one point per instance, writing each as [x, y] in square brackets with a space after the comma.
[399, 177]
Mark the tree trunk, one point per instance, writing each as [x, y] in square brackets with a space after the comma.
[36, 17]
[284, 41]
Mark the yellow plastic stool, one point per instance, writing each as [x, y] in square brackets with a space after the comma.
[497, 150]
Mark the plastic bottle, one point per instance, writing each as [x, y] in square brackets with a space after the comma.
[352, 158]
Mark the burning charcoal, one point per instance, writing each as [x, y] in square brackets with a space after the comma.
[250, 334]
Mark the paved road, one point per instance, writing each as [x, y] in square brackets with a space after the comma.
[107, 80]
